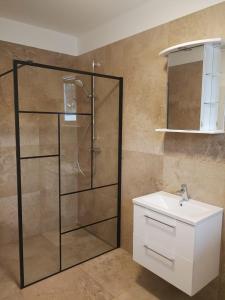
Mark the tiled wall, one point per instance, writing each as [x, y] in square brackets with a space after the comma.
[154, 161]
[151, 161]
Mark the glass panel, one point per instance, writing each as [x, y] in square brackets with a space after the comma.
[55, 91]
[45, 90]
[105, 152]
[88, 207]
[69, 212]
[38, 134]
[40, 202]
[85, 243]
[75, 153]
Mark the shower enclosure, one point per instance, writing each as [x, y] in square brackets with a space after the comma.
[68, 126]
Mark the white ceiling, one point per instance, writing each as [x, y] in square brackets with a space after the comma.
[68, 16]
[78, 26]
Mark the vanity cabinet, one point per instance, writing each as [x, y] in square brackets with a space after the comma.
[185, 255]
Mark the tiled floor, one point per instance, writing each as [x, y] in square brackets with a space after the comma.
[112, 276]
[41, 253]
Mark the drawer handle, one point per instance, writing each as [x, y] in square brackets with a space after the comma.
[172, 226]
[168, 258]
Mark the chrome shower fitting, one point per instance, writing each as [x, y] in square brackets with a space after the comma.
[95, 149]
[95, 64]
[80, 170]
[77, 82]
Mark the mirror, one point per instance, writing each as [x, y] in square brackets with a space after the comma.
[196, 87]
[185, 68]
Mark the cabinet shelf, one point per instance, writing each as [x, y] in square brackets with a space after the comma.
[211, 103]
[190, 131]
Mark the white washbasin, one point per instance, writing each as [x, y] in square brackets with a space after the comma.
[191, 212]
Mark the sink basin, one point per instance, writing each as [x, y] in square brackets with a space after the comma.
[191, 212]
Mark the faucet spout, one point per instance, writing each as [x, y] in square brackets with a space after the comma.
[184, 193]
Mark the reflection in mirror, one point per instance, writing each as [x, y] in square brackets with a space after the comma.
[185, 69]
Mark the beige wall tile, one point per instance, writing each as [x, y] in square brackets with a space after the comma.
[205, 179]
[141, 175]
[8, 171]
[8, 219]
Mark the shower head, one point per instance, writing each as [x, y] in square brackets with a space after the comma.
[72, 79]
[77, 82]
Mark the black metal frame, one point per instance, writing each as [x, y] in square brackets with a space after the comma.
[16, 65]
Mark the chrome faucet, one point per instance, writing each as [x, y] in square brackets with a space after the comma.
[184, 194]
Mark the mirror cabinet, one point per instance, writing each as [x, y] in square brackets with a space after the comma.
[196, 87]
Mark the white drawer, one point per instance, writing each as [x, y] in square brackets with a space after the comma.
[168, 267]
[163, 233]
